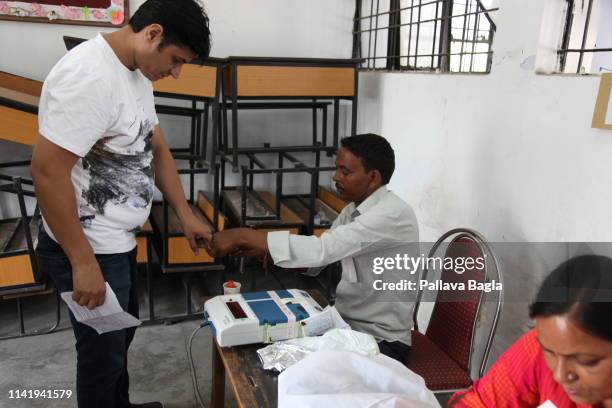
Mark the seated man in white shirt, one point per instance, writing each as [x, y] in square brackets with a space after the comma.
[375, 222]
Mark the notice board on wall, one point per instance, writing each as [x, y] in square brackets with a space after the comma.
[84, 12]
[602, 117]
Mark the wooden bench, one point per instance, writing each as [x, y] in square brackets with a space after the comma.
[176, 249]
[299, 207]
[259, 204]
[176, 254]
[19, 278]
[16, 265]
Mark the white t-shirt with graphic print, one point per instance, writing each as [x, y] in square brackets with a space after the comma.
[95, 107]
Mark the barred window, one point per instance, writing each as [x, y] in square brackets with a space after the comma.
[424, 35]
[586, 46]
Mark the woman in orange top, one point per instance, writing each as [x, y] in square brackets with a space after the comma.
[566, 361]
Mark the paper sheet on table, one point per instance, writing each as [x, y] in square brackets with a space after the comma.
[105, 318]
[318, 324]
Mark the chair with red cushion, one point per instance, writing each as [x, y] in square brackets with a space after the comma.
[443, 355]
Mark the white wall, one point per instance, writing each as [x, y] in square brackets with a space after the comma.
[510, 154]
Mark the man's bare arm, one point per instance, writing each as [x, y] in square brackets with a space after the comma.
[51, 170]
[167, 180]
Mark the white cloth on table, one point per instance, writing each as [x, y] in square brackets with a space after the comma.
[350, 380]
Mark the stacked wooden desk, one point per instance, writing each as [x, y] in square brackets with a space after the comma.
[18, 132]
[282, 83]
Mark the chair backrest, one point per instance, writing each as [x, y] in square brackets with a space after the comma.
[452, 324]
[455, 312]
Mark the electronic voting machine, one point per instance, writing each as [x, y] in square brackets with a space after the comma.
[259, 317]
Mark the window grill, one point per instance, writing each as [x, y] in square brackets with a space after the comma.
[424, 35]
[579, 39]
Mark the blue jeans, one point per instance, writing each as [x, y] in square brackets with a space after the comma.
[102, 377]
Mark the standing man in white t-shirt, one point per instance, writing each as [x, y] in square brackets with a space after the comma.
[99, 154]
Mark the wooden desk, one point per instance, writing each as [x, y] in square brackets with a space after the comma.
[290, 77]
[20, 84]
[252, 385]
[143, 238]
[176, 248]
[18, 116]
[175, 254]
[269, 78]
[17, 270]
[196, 83]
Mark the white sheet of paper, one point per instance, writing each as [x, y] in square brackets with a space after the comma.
[318, 324]
[105, 318]
[609, 112]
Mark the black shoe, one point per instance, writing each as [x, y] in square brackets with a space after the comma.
[149, 405]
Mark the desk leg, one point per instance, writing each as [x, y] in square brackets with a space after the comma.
[149, 270]
[217, 399]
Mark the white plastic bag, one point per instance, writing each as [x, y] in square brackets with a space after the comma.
[350, 380]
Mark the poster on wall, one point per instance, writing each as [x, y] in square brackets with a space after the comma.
[82, 12]
[602, 117]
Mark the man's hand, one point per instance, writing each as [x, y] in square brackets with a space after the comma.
[196, 232]
[89, 289]
[51, 169]
[226, 242]
[239, 242]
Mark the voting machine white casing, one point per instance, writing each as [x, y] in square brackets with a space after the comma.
[259, 317]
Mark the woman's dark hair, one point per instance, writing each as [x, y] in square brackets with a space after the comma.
[374, 151]
[185, 23]
[582, 289]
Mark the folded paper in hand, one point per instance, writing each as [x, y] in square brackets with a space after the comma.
[103, 319]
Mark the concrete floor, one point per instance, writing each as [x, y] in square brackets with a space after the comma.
[158, 365]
